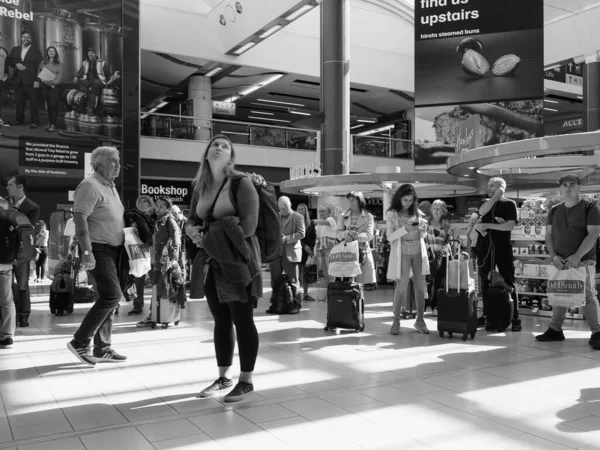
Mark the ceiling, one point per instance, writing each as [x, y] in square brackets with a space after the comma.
[166, 76]
[561, 9]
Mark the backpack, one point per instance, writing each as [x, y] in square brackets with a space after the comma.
[268, 229]
[143, 222]
[17, 237]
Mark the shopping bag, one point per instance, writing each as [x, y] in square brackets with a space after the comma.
[566, 287]
[138, 253]
[310, 270]
[465, 265]
[343, 260]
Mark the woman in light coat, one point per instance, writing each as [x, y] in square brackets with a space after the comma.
[357, 224]
[406, 231]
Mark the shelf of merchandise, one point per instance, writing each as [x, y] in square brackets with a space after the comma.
[525, 256]
[529, 277]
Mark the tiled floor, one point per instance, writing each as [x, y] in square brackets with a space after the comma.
[314, 389]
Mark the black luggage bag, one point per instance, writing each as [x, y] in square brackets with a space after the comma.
[345, 306]
[457, 308]
[61, 295]
[499, 307]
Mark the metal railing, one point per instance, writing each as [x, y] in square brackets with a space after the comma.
[195, 128]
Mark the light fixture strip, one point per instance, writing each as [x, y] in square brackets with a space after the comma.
[550, 109]
[262, 112]
[270, 31]
[268, 118]
[280, 103]
[550, 101]
[244, 48]
[299, 113]
[300, 11]
[367, 120]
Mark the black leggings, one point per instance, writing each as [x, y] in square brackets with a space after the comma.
[226, 315]
[40, 264]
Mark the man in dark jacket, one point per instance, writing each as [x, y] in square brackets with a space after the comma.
[25, 60]
[92, 77]
[17, 190]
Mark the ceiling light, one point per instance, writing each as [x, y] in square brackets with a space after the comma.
[550, 109]
[471, 168]
[235, 132]
[299, 12]
[376, 130]
[262, 112]
[161, 104]
[555, 66]
[231, 99]
[268, 33]
[579, 96]
[281, 103]
[215, 71]
[244, 48]
[550, 101]
[367, 120]
[268, 118]
[299, 113]
[269, 106]
[249, 89]
[356, 126]
[466, 175]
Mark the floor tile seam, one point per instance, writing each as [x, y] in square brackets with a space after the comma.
[7, 419]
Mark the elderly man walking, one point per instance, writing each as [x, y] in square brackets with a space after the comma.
[98, 216]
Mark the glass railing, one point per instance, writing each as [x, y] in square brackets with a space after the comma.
[383, 147]
[192, 128]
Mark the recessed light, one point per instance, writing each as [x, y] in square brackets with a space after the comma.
[356, 126]
[466, 175]
[299, 113]
[268, 118]
[550, 109]
[472, 168]
[215, 71]
[299, 12]
[269, 32]
[367, 120]
[550, 101]
[244, 48]
[269, 106]
[280, 103]
[262, 112]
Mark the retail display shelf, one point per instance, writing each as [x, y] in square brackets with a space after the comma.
[543, 313]
[531, 256]
[529, 277]
[531, 294]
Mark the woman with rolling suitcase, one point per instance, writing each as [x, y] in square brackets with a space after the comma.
[406, 231]
[437, 238]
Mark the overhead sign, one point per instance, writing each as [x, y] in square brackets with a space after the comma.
[223, 108]
[563, 126]
[179, 191]
[469, 51]
[569, 73]
[305, 171]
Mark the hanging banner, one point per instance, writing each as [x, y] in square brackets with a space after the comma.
[469, 51]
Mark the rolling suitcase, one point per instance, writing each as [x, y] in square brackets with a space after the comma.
[345, 306]
[163, 311]
[457, 308]
[61, 295]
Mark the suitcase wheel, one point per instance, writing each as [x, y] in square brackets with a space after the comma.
[176, 323]
[165, 326]
[441, 333]
[450, 333]
[358, 330]
[326, 329]
[52, 311]
[472, 335]
[153, 326]
[465, 336]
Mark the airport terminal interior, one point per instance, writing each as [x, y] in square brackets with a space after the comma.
[321, 98]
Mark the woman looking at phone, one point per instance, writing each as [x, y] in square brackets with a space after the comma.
[406, 231]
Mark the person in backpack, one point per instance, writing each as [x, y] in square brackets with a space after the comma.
[8, 312]
[572, 230]
[17, 190]
[498, 218]
[167, 250]
[146, 205]
[292, 232]
[232, 284]
[99, 223]
[406, 229]
[308, 247]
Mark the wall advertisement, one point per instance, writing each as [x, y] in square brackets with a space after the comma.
[60, 89]
[475, 82]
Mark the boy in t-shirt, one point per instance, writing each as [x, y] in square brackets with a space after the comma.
[572, 231]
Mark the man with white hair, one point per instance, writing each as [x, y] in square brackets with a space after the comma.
[498, 218]
[8, 311]
[98, 216]
[292, 232]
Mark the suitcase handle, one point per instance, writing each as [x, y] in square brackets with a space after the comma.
[448, 257]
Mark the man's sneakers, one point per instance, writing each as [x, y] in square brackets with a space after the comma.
[516, 325]
[83, 353]
[551, 335]
[147, 322]
[109, 356]
[218, 388]
[6, 343]
[595, 340]
[240, 392]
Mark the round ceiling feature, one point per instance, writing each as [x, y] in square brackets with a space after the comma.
[230, 13]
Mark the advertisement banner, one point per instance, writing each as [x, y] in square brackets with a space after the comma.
[61, 92]
[470, 51]
[179, 191]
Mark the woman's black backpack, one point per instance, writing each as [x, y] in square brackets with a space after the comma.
[143, 222]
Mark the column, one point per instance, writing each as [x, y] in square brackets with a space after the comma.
[335, 87]
[591, 96]
[200, 92]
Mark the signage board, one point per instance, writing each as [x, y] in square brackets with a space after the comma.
[223, 108]
[305, 171]
[564, 125]
[179, 191]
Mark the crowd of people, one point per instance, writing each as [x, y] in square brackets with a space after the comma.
[223, 248]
